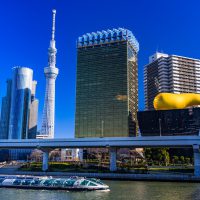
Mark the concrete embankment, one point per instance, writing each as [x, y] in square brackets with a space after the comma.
[115, 176]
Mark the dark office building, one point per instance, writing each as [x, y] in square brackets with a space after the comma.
[33, 114]
[5, 112]
[107, 84]
[169, 122]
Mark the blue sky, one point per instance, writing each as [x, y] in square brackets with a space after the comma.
[171, 26]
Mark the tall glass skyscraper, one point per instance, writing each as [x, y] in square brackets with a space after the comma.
[20, 102]
[19, 108]
[107, 84]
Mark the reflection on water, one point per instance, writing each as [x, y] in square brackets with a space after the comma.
[128, 190]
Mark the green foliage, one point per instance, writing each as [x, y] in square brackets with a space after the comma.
[64, 167]
[161, 157]
[175, 160]
[182, 159]
[157, 155]
[187, 161]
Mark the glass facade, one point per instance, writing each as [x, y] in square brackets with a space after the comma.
[33, 114]
[5, 112]
[107, 85]
[20, 102]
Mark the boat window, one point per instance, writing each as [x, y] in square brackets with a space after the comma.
[1, 180]
[26, 182]
[17, 182]
[96, 181]
[92, 184]
[48, 182]
[58, 182]
[34, 182]
[85, 182]
[69, 183]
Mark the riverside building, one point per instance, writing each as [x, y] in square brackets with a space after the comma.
[107, 84]
[170, 73]
[19, 112]
[20, 102]
[19, 106]
[5, 112]
[33, 116]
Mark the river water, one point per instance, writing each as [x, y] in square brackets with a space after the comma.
[127, 190]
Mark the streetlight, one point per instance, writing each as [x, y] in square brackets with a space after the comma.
[160, 125]
[102, 128]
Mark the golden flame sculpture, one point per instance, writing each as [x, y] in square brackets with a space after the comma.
[168, 101]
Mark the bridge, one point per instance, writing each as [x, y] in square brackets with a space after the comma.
[47, 145]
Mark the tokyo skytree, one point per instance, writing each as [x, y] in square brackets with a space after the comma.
[51, 73]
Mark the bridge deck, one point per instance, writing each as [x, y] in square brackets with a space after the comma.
[155, 141]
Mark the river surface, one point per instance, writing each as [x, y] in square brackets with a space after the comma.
[134, 190]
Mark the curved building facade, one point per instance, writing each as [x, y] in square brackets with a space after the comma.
[20, 102]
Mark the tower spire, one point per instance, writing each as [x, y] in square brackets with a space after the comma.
[53, 24]
[52, 48]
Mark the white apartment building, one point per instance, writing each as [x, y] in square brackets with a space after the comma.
[170, 73]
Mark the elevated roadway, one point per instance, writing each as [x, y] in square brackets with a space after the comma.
[46, 145]
[154, 141]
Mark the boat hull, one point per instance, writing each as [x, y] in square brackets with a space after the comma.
[51, 188]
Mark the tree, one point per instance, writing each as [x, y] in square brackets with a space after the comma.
[187, 161]
[182, 159]
[36, 155]
[55, 155]
[148, 154]
[175, 158]
[157, 155]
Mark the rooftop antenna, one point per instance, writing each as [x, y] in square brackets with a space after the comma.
[54, 24]
[157, 49]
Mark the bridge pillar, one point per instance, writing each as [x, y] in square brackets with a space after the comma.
[45, 160]
[80, 155]
[113, 159]
[196, 160]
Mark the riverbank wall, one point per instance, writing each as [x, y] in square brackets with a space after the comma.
[114, 176]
